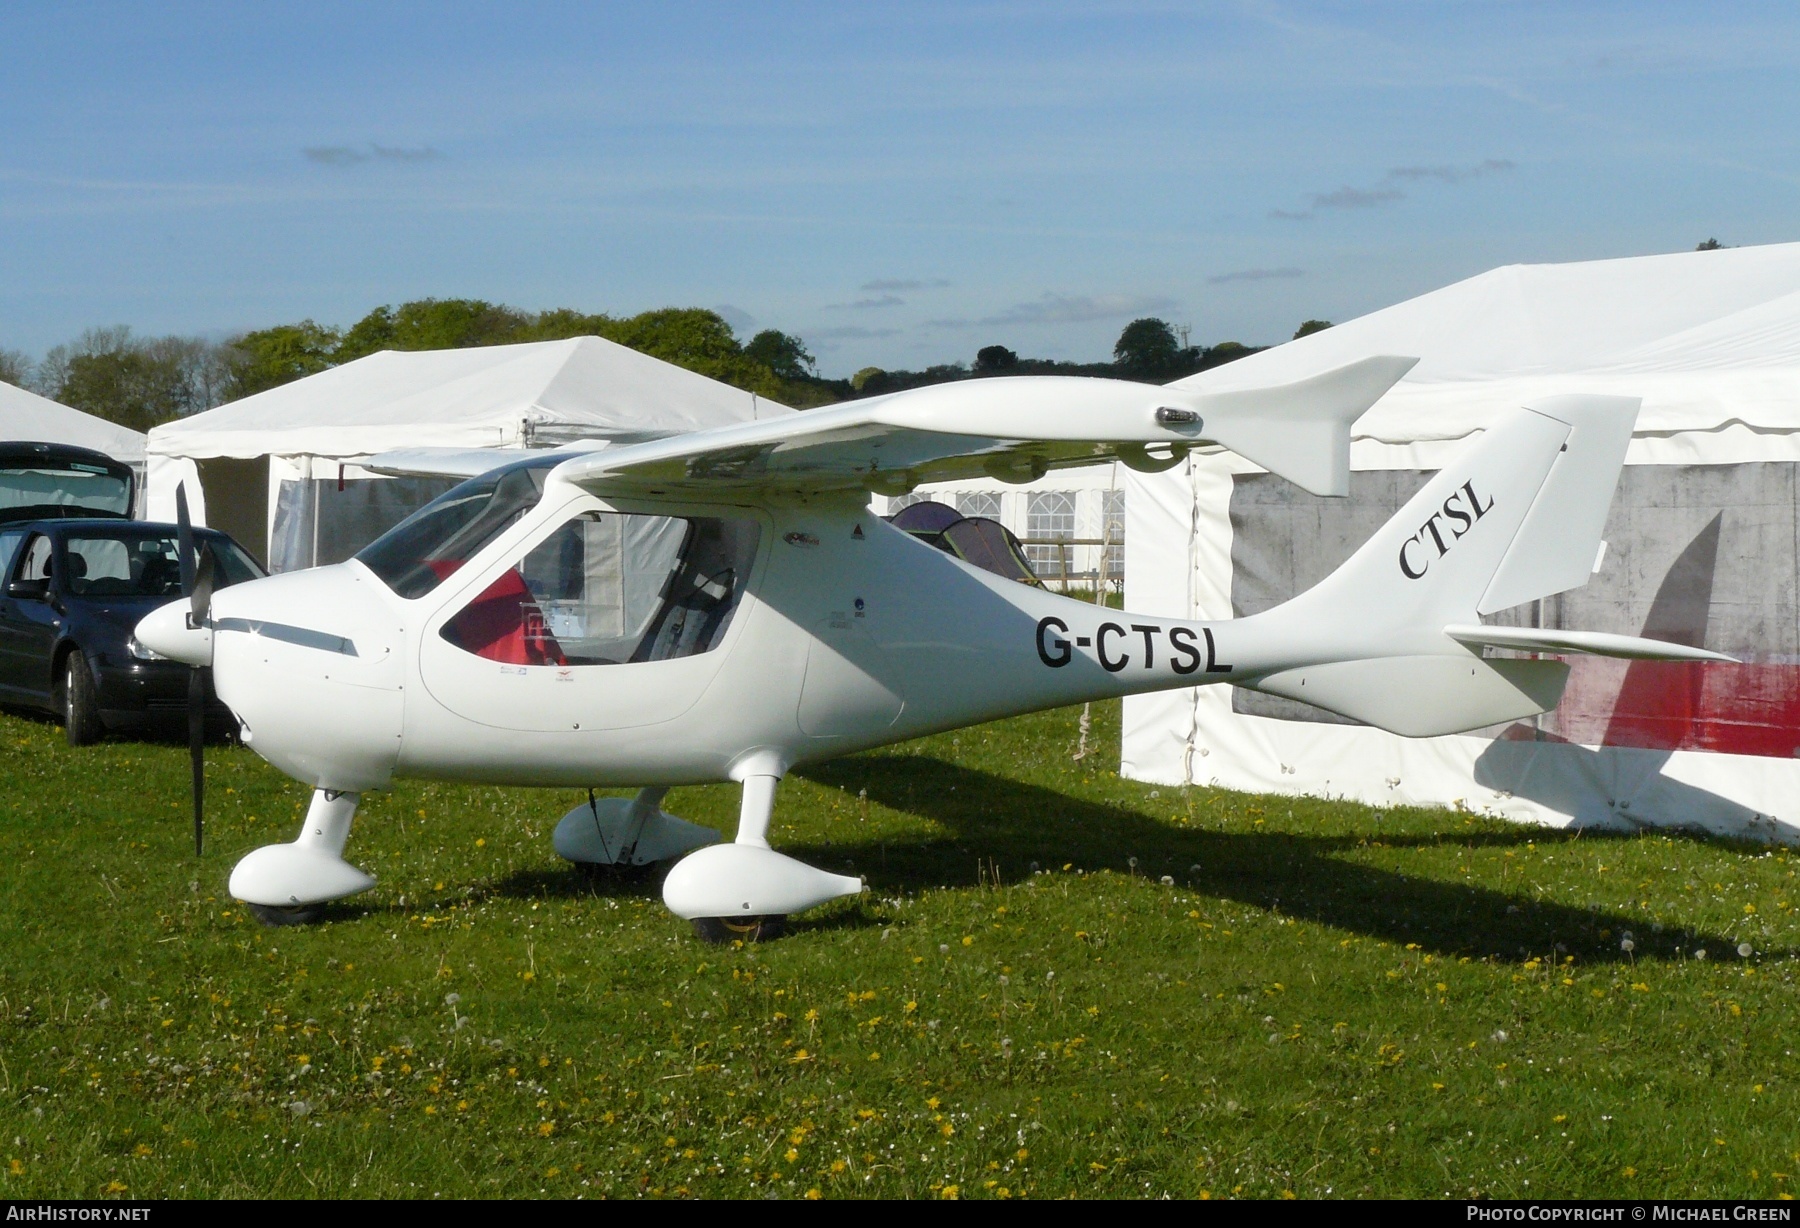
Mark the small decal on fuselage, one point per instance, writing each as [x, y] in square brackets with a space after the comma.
[1116, 647]
[798, 538]
[1415, 564]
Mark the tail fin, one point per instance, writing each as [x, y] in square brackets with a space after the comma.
[1516, 517]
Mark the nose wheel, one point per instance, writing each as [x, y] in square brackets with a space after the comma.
[721, 930]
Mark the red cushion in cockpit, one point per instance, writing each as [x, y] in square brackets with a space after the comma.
[504, 624]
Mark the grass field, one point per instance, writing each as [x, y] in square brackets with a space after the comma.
[1198, 993]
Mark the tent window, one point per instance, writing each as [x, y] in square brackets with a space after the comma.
[979, 503]
[609, 589]
[1049, 517]
[1112, 508]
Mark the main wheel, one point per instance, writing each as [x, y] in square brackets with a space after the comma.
[274, 914]
[720, 930]
[81, 703]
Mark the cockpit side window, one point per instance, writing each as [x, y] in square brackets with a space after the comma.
[420, 552]
[609, 589]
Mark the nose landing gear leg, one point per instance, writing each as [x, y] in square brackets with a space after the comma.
[289, 884]
[744, 891]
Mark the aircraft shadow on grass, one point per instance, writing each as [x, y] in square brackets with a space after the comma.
[996, 828]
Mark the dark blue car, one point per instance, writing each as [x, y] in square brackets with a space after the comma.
[74, 590]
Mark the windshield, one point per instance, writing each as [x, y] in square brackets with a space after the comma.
[428, 547]
[41, 491]
[141, 564]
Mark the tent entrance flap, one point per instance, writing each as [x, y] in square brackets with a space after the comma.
[237, 500]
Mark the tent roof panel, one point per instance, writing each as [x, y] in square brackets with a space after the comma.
[1704, 338]
[480, 397]
[27, 416]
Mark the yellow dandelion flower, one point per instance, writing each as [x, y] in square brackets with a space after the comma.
[950, 1192]
[546, 1129]
[814, 1194]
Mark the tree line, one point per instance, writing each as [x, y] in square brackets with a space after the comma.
[142, 381]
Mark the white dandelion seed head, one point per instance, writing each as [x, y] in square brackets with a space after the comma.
[1746, 950]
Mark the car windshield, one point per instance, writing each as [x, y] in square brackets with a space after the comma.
[126, 564]
[426, 548]
[43, 491]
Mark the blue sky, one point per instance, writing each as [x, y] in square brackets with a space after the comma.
[897, 184]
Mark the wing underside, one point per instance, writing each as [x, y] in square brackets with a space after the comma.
[1011, 430]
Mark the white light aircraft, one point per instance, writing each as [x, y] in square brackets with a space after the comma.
[722, 605]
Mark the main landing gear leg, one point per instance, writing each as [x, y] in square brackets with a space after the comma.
[744, 891]
[289, 884]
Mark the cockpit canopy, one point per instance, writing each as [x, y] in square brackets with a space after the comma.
[428, 547]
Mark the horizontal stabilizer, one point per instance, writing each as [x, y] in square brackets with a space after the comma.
[1596, 643]
[1421, 697]
[1301, 431]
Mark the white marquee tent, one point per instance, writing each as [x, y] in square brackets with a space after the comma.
[279, 470]
[1704, 548]
[27, 417]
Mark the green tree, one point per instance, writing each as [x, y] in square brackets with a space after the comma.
[432, 324]
[992, 358]
[1711, 245]
[15, 368]
[270, 357]
[112, 375]
[699, 340]
[1148, 347]
[782, 353]
[1310, 327]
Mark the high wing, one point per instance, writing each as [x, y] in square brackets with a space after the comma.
[1011, 429]
[466, 462]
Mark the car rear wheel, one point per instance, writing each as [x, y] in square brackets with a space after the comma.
[81, 705]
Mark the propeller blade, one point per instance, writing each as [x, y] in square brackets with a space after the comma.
[200, 598]
[184, 539]
[197, 747]
[197, 586]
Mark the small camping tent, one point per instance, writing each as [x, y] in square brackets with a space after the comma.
[1703, 549]
[279, 470]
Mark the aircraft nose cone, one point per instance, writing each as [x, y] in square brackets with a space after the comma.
[165, 631]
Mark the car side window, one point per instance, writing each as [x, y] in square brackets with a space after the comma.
[36, 563]
[9, 550]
